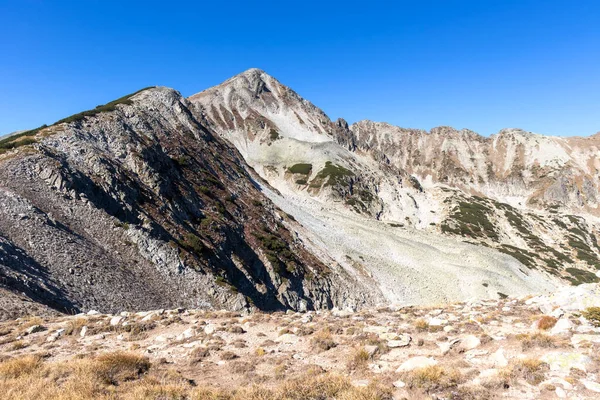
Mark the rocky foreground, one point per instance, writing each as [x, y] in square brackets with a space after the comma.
[543, 347]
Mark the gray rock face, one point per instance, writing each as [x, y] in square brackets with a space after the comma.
[144, 208]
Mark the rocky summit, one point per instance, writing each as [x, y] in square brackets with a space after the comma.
[294, 254]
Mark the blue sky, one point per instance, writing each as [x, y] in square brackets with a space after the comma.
[482, 65]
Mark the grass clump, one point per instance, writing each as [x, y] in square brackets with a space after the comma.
[323, 341]
[120, 366]
[13, 141]
[359, 359]
[532, 370]
[18, 367]
[539, 340]
[592, 314]
[546, 322]
[433, 378]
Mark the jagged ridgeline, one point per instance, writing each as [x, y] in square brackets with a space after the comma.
[248, 196]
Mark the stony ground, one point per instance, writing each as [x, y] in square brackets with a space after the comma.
[530, 348]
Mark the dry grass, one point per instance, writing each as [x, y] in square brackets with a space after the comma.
[433, 378]
[74, 326]
[130, 377]
[198, 354]
[532, 370]
[539, 340]
[31, 321]
[120, 366]
[18, 345]
[421, 325]
[358, 360]
[323, 340]
[228, 355]
[546, 322]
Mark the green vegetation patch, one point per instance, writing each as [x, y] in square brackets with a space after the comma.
[303, 169]
[580, 276]
[525, 257]
[470, 219]
[331, 175]
[13, 141]
[102, 108]
[277, 252]
[273, 134]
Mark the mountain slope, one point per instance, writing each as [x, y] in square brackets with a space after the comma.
[140, 206]
[357, 204]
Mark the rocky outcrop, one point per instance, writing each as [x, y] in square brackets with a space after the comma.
[144, 207]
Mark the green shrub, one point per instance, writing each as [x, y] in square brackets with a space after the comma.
[193, 243]
[273, 134]
[303, 169]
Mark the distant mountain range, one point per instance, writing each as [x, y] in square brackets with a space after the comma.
[247, 196]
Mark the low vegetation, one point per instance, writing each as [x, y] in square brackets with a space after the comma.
[303, 169]
[592, 314]
[102, 108]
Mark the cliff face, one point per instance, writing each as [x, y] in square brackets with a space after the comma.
[514, 166]
[144, 207]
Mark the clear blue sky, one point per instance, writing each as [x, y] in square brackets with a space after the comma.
[480, 64]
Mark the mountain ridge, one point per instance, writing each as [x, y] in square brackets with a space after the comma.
[246, 195]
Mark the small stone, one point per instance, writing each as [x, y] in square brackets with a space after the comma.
[560, 393]
[209, 329]
[399, 384]
[34, 329]
[83, 331]
[114, 321]
[402, 341]
[93, 312]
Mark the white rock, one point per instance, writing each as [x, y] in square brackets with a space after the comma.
[371, 350]
[565, 361]
[448, 328]
[498, 358]
[83, 331]
[591, 385]
[287, 338]
[578, 338]
[560, 392]
[416, 362]
[399, 384]
[469, 342]
[93, 312]
[34, 329]
[402, 341]
[209, 329]
[436, 322]
[563, 325]
[114, 321]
